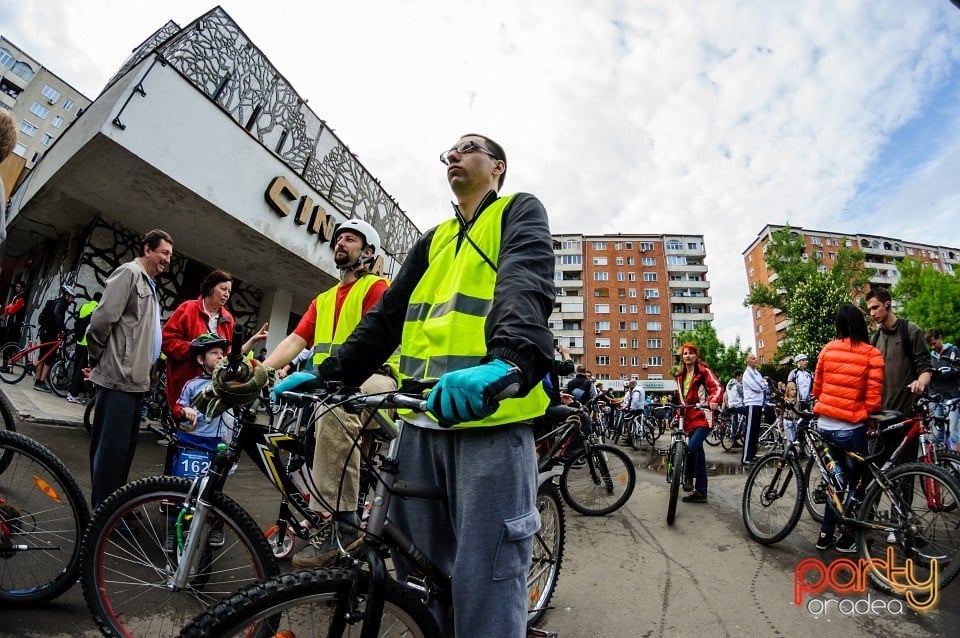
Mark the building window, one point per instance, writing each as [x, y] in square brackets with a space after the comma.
[650, 293]
[760, 343]
[619, 261]
[654, 326]
[623, 308]
[623, 342]
[571, 260]
[622, 326]
[603, 343]
[50, 93]
[654, 344]
[56, 122]
[623, 361]
[631, 276]
[602, 309]
[6, 59]
[617, 246]
[634, 343]
[39, 110]
[620, 276]
[649, 261]
[646, 245]
[599, 261]
[628, 245]
[634, 361]
[676, 260]
[634, 325]
[599, 245]
[674, 244]
[649, 276]
[631, 261]
[656, 362]
[816, 241]
[46, 139]
[20, 150]
[634, 309]
[633, 293]
[23, 70]
[603, 360]
[601, 325]
[68, 105]
[27, 128]
[652, 309]
[600, 275]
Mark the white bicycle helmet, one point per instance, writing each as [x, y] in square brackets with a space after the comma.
[362, 228]
[67, 288]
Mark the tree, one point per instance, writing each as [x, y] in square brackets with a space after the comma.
[724, 360]
[929, 298]
[806, 292]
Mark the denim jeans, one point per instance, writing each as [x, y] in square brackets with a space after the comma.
[697, 460]
[840, 442]
[949, 436]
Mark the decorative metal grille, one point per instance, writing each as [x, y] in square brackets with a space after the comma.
[214, 55]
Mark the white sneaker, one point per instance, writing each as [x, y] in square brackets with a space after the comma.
[892, 538]
[73, 399]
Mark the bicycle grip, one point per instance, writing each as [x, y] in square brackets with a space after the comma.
[236, 346]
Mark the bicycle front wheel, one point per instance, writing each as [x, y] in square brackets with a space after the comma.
[547, 552]
[815, 493]
[678, 462]
[127, 567]
[772, 498]
[312, 603]
[12, 367]
[916, 519]
[598, 483]
[59, 378]
[42, 517]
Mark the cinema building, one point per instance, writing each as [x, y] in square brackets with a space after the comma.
[200, 135]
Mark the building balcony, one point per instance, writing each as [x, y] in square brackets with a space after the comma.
[687, 268]
[690, 300]
[685, 283]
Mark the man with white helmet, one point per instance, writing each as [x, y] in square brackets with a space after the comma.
[804, 380]
[53, 323]
[328, 321]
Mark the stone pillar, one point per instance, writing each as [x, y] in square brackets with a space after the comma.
[276, 308]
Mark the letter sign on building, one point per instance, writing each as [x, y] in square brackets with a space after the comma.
[280, 193]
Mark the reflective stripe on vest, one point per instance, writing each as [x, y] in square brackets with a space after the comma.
[325, 340]
[444, 327]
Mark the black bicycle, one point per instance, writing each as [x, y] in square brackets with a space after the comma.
[42, 517]
[361, 597]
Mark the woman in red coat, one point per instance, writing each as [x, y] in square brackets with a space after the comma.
[208, 313]
[847, 384]
[697, 384]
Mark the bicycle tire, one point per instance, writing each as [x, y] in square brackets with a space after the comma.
[716, 432]
[548, 547]
[678, 462]
[44, 509]
[930, 532]
[12, 371]
[774, 479]
[306, 603]
[726, 437]
[7, 422]
[88, 414]
[124, 568]
[814, 484]
[61, 372]
[638, 433]
[602, 484]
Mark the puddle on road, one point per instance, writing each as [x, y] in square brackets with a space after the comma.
[653, 462]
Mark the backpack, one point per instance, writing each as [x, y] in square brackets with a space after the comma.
[47, 321]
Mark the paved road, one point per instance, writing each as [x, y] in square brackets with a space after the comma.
[626, 574]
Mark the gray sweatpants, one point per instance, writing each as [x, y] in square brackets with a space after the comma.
[483, 535]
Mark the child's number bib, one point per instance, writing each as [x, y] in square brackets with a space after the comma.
[191, 463]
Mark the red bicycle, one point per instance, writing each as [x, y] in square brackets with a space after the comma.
[16, 362]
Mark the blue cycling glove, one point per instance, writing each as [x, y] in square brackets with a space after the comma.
[297, 382]
[472, 393]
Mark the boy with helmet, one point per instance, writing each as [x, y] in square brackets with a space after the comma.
[328, 321]
[198, 438]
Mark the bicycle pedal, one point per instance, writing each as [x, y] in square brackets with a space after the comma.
[534, 632]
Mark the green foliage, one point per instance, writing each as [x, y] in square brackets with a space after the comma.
[808, 297]
[724, 360]
[929, 298]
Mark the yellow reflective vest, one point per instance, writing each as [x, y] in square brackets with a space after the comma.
[85, 310]
[446, 315]
[325, 340]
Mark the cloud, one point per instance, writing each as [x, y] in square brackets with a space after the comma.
[635, 117]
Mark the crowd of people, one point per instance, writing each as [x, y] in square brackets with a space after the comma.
[469, 307]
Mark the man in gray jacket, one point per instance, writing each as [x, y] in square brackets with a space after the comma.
[123, 341]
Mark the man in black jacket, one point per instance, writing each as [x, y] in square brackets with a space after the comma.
[50, 330]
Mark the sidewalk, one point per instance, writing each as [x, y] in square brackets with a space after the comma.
[41, 407]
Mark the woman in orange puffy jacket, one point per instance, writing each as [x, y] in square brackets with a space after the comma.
[847, 384]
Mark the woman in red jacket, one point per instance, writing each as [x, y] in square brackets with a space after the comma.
[697, 384]
[847, 385]
[208, 313]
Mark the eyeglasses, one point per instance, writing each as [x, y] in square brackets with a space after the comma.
[464, 147]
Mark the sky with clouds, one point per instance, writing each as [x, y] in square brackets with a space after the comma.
[632, 116]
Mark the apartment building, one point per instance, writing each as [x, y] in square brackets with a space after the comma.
[880, 254]
[42, 104]
[622, 298]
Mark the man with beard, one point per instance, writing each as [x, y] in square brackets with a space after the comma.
[327, 323]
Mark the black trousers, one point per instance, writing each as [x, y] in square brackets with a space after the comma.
[113, 441]
[752, 434]
[79, 363]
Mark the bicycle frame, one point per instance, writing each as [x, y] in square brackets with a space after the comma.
[53, 346]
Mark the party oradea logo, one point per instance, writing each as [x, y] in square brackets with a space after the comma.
[850, 579]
